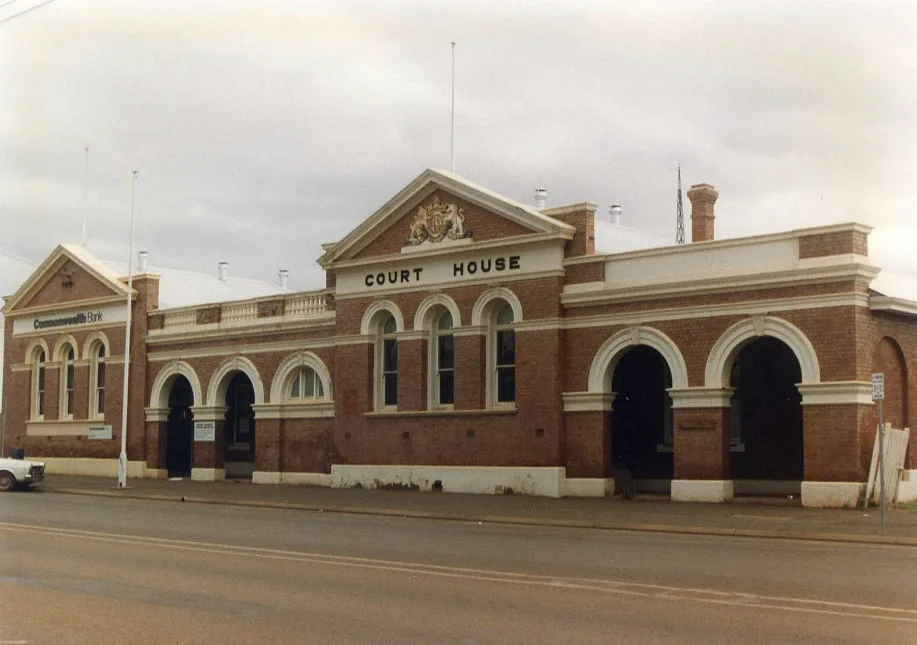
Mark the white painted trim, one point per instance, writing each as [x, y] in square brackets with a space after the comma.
[832, 494]
[701, 490]
[504, 278]
[295, 362]
[588, 401]
[265, 477]
[478, 316]
[156, 415]
[66, 339]
[358, 339]
[701, 397]
[836, 393]
[159, 392]
[208, 474]
[475, 330]
[209, 412]
[30, 351]
[216, 390]
[423, 318]
[306, 479]
[747, 308]
[156, 473]
[541, 481]
[90, 466]
[263, 348]
[58, 427]
[589, 487]
[724, 350]
[606, 359]
[317, 409]
[218, 331]
[893, 305]
[907, 486]
[367, 325]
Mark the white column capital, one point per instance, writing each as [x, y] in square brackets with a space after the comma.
[156, 415]
[209, 412]
[701, 397]
[836, 393]
[588, 401]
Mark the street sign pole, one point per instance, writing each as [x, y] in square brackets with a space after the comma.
[878, 395]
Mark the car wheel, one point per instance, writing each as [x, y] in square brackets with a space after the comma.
[7, 481]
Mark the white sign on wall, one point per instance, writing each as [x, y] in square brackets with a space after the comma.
[878, 386]
[69, 319]
[205, 430]
[463, 267]
[100, 432]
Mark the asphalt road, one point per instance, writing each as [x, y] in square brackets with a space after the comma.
[99, 570]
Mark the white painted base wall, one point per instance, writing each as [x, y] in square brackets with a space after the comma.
[832, 494]
[207, 474]
[93, 467]
[589, 487]
[299, 479]
[701, 490]
[907, 487]
[156, 473]
[545, 482]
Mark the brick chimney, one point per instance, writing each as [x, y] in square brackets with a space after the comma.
[582, 218]
[703, 197]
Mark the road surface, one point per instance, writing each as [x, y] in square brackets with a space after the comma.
[99, 570]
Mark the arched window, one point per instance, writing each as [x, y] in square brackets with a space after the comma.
[443, 346]
[386, 362]
[503, 357]
[97, 389]
[306, 384]
[38, 384]
[67, 385]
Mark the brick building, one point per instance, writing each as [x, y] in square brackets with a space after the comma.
[470, 343]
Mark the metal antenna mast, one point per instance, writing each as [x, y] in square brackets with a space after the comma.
[680, 226]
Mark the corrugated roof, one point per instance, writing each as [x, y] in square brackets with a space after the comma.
[616, 238]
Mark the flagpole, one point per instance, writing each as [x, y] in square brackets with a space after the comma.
[452, 140]
[85, 192]
[122, 458]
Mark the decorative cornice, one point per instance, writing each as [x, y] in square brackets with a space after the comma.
[588, 401]
[209, 412]
[701, 397]
[836, 393]
[71, 304]
[156, 415]
[505, 278]
[893, 305]
[214, 331]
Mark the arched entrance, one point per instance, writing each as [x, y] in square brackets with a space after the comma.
[239, 428]
[765, 418]
[179, 433]
[642, 439]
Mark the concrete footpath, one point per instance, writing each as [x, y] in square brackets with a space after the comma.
[780, 518]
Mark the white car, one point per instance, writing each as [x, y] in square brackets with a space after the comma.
[20, 473]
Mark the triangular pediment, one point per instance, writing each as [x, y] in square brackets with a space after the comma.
[70, 274]
[439, 210]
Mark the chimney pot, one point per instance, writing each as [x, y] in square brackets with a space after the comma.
[703, 197]
[541, 198]
[615, 212]
[284, 276]
[222, 268]
[141, 260]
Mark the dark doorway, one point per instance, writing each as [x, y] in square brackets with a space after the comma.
[642, 441]
[765, 421]
[179, 435]
[239, 457]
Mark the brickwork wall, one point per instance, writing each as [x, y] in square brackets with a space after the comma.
[590, 272]
[84, 287]
[702, 443]
[587, 444]
[827, 244]
[482, 224]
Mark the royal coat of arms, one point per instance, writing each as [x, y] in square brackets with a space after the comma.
[438, 221]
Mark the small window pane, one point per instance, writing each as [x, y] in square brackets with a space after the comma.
[41, 379]
[390, 356]
[445, 321]
[308, 383]
[506, 384]
[101, 401]
[447, 387]
[101, 351]
[506, 347]
[505, 316]
[319, 387]
[295, 390]
[446, 352]
[70, 354]
[390, 326]
[391, 389]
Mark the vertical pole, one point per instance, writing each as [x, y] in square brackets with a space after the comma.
[85, 193]
[452, 139]
[882, 464]
[122, 458]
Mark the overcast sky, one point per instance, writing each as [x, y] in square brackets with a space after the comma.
[261, 129]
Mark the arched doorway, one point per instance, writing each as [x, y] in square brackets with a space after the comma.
[765, 419]
[642, 438]
[239, 429]
[179, 435]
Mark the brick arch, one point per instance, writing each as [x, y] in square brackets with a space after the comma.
[727, 347]
[611, 351]
[162, 384]
[219, 382]
[888, 358]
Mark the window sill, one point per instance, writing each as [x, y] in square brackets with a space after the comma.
[439, 413]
